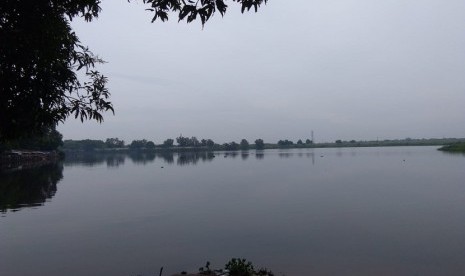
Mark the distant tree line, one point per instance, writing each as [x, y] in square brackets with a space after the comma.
[182, 142]
[194, 143]
[289, 143]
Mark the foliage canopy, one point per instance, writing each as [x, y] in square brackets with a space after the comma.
[40, 57]
[191, 10]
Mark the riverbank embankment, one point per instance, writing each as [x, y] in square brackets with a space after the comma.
[21, 159]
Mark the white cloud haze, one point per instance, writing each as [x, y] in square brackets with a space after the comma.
[347, 69]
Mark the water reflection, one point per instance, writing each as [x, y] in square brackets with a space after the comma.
[117, 159]
[187, 158]
[29, 188]
[168, 157]
[366, 215]
[91, 159]
[286, 154]
[140, 158]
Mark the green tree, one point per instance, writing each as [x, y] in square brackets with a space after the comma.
[194, 142]
[308, 141]
[231, 146]
[244, 144]
[168, 143]
[182, 141]
[40, 56]
[210, 143]
[284, 143]
[203, 142]
[85, 145]
[138, 144]
[150, 145]
[114, 143]
[259, 144]
[48, 139]
[299, 142]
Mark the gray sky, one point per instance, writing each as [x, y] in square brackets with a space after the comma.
[347, 69]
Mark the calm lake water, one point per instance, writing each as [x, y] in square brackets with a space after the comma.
[353, 211]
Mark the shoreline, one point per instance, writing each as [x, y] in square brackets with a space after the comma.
[454, 148]
[24, 159]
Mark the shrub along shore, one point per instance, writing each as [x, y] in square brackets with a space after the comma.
[456, 147]
[235, 267]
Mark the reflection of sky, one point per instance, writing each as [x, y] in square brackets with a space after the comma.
[354, 69]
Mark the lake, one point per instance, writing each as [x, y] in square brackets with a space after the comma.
[346, 211]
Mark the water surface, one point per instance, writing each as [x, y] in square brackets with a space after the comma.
[352, 211]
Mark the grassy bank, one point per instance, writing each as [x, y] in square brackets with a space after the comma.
[457, 147]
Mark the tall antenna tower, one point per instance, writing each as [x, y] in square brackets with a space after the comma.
[313, 141]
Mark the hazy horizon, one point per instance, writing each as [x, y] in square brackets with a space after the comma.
[347, 70]
[251, 141]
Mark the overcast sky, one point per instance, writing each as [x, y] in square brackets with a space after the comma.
[346, 69]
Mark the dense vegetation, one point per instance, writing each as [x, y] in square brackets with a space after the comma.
[48, 139]
[193, 143]
[235, 267]
[168, 144]
[39, 59]
[456, 147]
[51, 139]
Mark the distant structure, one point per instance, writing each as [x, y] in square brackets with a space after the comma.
[313, 141]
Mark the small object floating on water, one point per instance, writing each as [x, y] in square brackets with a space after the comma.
[162, 167]
[322, 156]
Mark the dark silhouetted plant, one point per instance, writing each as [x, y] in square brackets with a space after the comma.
[240, 267]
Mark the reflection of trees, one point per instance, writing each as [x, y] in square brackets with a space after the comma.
[31, 187]
[167, 156]
[259, 155]
[115, 160]
[285, 154]
[187, 158]
[91, 159]
[232, 154]
[142, 157]
[244, 155]
[85, 159]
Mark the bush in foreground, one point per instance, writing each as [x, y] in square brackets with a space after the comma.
[235, 267]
